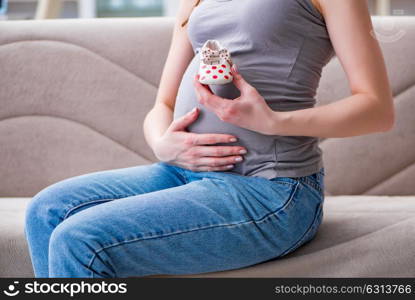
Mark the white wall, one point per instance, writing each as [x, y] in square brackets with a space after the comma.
[24, 9]
[171, 7]
[397, 7]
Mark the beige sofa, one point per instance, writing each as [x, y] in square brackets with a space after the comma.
[73, 95]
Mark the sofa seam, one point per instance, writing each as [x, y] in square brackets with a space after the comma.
[99, 55]
[81, 124]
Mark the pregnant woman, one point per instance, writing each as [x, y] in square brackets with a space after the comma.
[240, 178]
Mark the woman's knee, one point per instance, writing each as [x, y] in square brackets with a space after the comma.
[44, 206]
[77, 232]
[72, 247]
[63, 240]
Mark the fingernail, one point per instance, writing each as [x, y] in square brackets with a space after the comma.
[193, 110]
[232, 139]
[235, 68]
[238, 159]
[242, 152]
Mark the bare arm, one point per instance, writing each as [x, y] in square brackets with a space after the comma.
[370, 108]
[178, 58]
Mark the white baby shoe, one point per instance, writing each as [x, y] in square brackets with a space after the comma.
[215, 64]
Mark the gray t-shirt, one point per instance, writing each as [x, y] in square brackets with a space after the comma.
[280, 48]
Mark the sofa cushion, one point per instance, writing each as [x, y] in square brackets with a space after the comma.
[14, 256]
[361, 236]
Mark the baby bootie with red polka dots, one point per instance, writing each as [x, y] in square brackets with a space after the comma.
[215, 64]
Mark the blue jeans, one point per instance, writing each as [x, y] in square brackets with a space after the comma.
[163, 219]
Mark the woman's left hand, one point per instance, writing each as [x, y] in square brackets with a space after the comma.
[249, 110]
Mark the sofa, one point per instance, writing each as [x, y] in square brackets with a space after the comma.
[73, 96]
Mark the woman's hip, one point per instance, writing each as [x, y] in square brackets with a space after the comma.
[284, 212]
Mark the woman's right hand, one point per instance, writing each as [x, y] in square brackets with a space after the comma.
[188, 150]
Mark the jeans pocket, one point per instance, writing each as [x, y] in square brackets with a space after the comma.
[315, 181]
[310, 232]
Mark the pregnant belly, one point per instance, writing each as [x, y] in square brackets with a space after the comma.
[261, 148]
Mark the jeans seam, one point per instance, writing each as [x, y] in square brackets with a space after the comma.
[282, 181]
[178, 170]
[312, 225]
[183, 174]
[93, 201]
[312, 183]
[264, 218]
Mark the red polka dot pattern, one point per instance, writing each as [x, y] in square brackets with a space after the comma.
[216, 72]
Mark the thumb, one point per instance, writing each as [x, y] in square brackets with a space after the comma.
[238, 80]
[181, 123]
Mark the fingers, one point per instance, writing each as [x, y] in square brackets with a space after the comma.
[218, 161]
[210, 138]
[218, 151]
[212, 169]
[181, 123]
[239, 81]
[206, 97]
[214, 158]
[196, 79]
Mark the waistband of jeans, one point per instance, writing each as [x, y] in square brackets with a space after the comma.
[316, 180]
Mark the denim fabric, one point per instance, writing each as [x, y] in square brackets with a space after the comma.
[163, 219]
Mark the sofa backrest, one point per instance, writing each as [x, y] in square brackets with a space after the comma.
[74, 93]
[379, 163]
